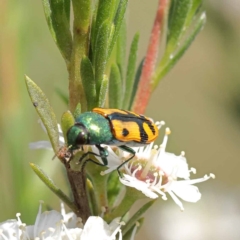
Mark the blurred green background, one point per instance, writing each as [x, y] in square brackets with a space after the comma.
[199, 100]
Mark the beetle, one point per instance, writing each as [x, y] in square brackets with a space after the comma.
[114, 127]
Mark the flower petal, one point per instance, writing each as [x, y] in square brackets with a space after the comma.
[186, 192]
[139, 185]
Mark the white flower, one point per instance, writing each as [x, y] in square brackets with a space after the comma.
[52, 225]
[10, 230]
[153, 171]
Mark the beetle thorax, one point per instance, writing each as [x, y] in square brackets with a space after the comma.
[98, 128]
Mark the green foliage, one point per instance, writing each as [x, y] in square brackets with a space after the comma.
[51, 185]
[114, 188]
[132, 59]
[118, 22]
[115, 87]
[129, 233]
[100, 56]
[103, 91]
[185, 21]
[67, 121]
[45, 112]
[89, 83]
[136, 82]
[77, 110]
[57, 14]
[132, 221]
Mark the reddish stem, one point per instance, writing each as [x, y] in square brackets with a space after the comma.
[144, 88]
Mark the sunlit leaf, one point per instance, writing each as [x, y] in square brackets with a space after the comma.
[45, 112]
[57, 14]
[132, 59]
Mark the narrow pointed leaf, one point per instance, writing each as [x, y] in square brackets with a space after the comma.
[106, 9]
[136, 216]
[121, 48]
[89, 84]
[165, 67]
[67, 7]
[118, 23]
[45, 112]
[103, 92]
[51, 185]
[101, 50]
[178, 14]
[115, 88]
[92, 198]
[67, 121]
[196, 4]
[57, 15]
[114, 188]
[131, 71]
[78, 110]
[136, 81]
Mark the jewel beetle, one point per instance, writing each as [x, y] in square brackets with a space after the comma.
[115, 127]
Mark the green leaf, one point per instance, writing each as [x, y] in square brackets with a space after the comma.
[132, 221]
[89, 84]
[78, 110]
[136, 81]
[82, 14]
[131, 71]
[67, 7]
[121, 48]
[57, 14]
[196, 4]
[118, 23]
[67, 121]
[103, 92]
[45, 112]
[123, 207]
[92, 198]
[165, 67]
[115, 88]
[177, 17]
[101, 50]
[62, 95]
[106, 9]
[114, 187]
[136, 227]
[51, 185]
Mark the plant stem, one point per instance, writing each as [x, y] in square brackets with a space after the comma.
[76, 92]
[144, 89]
[77, 180]
[81, 29]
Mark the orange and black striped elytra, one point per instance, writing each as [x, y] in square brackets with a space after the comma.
[121, 128]
[128, 126]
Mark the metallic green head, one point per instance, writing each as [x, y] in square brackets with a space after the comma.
[77, 136]
[89, 129]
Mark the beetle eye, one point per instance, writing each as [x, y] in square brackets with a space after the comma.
[82, 134]
[77, 135]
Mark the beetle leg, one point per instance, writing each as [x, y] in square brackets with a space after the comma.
[129, 150]
[103, 154]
